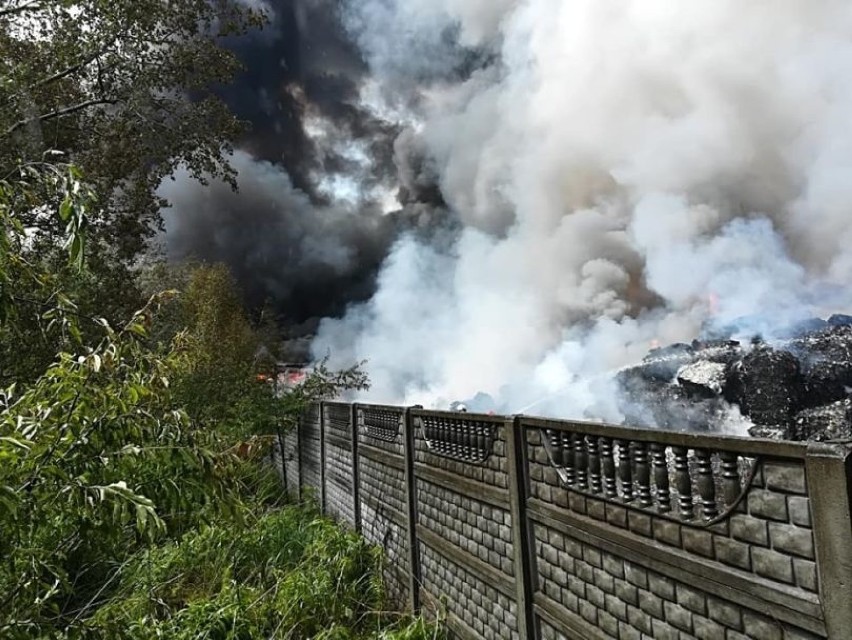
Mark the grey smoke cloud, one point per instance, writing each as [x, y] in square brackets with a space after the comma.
[307, 232]
[283, 248]
[301, 92]
[623, 173]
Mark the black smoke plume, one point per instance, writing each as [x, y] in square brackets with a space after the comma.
[302, 68]
[327, 182]
[305, 260]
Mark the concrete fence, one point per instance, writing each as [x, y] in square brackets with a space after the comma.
[518, 527]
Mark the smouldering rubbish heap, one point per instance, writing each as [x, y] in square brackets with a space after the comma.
[798, 387]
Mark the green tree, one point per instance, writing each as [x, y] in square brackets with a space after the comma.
[228, 380]
[119, 436]
[124, 89]
[87, 447]
[33, 303]
[219, 350]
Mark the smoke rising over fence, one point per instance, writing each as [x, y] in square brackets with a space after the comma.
[574, 183]
[625, 175]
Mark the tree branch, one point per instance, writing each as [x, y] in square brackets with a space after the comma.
[59, 75]
[53, 307]
[33, 5]
[59, 113]
[72, 69]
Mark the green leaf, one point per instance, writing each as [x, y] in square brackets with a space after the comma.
[138, 329]
[74, 330]
[20, 444]
[66, 209]
[9, 501]
[76, 252]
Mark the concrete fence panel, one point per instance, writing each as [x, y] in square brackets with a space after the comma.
[339, 463]
[383, 492]
[519, 527]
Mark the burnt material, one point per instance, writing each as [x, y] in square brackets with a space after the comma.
[794, 387]
[703, 379]
[826, 362]
[722, 351]
[803, 328]
[767, 385]
[662, 363]
[651, 403]
[840, 320]
[830, 422]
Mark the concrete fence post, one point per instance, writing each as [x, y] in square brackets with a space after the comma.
[322, 429]
[522, 540]
[411, 504]
[829, 478]
[283, 457]
[356, 468]
[298, 454]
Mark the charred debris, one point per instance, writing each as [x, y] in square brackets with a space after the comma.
[797, 386]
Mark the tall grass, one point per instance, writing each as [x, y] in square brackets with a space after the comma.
[286, 574]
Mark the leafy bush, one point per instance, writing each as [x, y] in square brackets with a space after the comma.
[132, 500]
[97, 461]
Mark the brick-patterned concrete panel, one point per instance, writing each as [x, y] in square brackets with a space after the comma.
[380, 528]
[475, 527]
[384, 507]
[484, 609]
[624, 599]
[339, 502]
[769, 534]
[339, 492]
[292, 480]
[551, 633]
[394, 448]
[338, 420]
[383, 484]
[309, 444]
[275, 459]
[339, 496]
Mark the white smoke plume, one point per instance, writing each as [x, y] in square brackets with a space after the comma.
[625, 172]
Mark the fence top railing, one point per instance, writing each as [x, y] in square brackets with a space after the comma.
[336, 405]
[380, 407]
[742, 445]
[418, 412]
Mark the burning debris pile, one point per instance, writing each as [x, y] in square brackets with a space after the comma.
[798, 387]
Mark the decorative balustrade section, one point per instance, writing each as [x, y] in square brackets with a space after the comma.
[380, 423]
[337, 416]
[457, 436]
[674, 475]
